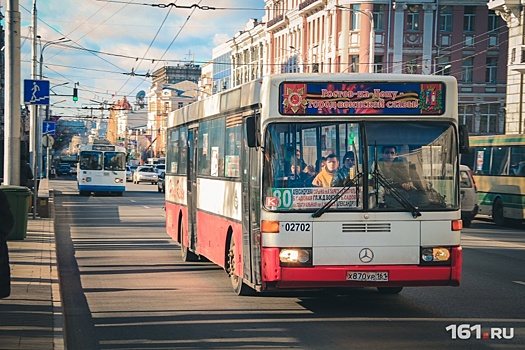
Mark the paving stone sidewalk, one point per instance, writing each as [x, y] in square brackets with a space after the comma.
[31, 317]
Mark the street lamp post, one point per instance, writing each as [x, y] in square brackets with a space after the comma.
[442, 69]
[371, 51]
[298, 53]
[58, 41]
[37, 122]
[304, 57]
[38, 153]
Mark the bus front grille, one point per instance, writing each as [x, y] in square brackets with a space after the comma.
[366, 227]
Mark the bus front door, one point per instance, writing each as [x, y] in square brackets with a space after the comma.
[251, 214]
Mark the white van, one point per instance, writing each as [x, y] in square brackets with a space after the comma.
[469, 195]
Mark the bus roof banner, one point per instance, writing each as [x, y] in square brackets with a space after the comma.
[364, 98]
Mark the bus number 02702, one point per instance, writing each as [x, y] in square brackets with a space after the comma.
[296, 226]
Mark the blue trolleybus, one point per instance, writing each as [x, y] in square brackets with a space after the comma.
[101, 169]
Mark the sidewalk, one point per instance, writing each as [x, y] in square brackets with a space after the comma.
[31, 318]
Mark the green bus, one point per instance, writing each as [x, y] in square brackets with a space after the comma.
[498, 165]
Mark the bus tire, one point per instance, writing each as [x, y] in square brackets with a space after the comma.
[238, 285]
[83, 193]
[497, 213]
[389, 290]
[186, 254]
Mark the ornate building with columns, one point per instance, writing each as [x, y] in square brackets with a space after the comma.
[511, 11]
[466, 40]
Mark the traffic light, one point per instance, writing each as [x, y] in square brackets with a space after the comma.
[75, 94]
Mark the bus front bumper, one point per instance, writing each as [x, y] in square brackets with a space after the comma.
[101, 188]
[336, 276]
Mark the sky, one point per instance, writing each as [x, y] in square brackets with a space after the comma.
[106, 40]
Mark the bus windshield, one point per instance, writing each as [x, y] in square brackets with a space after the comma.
[404, 166]
[114, 161]
[95, 160]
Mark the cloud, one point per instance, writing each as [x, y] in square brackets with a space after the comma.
[142, 36]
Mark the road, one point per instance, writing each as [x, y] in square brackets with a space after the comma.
[124, 286]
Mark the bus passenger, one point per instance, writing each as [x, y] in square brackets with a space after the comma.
[309, 174]
[325, 176]
[299, 160]
[295, 179]
[343, 175]
[394, 169]
[320, 164]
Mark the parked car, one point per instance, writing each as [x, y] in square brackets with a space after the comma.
[145, 174]
[133, 168]
[129, 174]
[469, 195]
[160, 168]
[160, 183]
[64, 169]
[73, 169]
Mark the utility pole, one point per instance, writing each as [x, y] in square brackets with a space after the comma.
[33, 117]
[12, 95]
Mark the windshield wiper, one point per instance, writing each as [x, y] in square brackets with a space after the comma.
[348, 183]
[397, 195]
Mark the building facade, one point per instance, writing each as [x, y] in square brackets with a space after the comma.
[162, 99]
[176, 74]
[511, 11]
[464, 40]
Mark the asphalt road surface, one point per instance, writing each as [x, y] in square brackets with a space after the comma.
[124, 286]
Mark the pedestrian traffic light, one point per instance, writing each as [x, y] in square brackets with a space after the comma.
[75, 94]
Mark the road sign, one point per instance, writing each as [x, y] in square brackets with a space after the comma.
[47, 140]
[36, 92]
[48, 128]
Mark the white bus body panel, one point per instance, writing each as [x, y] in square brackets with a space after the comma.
[217, 197]
[339, 243]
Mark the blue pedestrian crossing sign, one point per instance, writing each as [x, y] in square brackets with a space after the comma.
[36, 92]
[48, 128]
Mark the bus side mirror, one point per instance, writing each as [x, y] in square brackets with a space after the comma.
[463, 139]
[253, 137]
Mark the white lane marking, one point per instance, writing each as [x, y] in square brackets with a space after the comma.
[519, 282]
[473, 241]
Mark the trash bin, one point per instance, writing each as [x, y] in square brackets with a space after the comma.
[19, 198]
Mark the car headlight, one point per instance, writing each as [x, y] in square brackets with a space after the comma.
[295, 257]
[435, 255]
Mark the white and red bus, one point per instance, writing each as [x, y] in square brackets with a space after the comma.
[231, 196]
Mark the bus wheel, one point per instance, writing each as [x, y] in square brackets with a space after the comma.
[389, 290]
[84, 193]
[186, 254]
[238, 285]
[497, 213]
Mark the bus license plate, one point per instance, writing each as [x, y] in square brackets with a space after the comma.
[367, 276]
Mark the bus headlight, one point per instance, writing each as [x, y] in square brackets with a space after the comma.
[88, 179]
[119, 180]
[435, 255]
[295, 256]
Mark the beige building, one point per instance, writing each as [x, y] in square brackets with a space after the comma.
[162, 99]
[466, 40]
[117, 128]
[513, 14]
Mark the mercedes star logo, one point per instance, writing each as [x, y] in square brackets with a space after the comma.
[366, 255]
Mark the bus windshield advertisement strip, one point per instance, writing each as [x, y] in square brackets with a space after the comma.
[367, 98]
